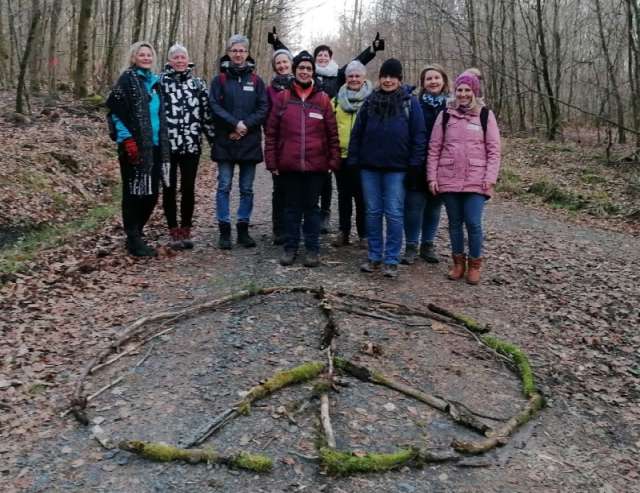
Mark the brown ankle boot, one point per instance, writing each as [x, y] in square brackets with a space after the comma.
[473, 274]
[176, 239]
[459, 265]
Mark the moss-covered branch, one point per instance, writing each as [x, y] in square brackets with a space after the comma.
[468, 322]
[519, 359]
[344, 463]
[161, 452]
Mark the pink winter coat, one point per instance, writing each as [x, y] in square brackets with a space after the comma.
[465, 158]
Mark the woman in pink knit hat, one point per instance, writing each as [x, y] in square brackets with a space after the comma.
[463, 165]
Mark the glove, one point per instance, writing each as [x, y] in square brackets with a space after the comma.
[272, 37]
[415, 180]
[131, 148]
[378, 43]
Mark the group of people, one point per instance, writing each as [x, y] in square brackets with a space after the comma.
[395, 155]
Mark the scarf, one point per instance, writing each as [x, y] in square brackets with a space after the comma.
[129, 101]
[281, 82]
[386, 104]
[350, 101]
[330, 70]
[433, 101]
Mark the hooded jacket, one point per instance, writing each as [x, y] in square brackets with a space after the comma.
[187, 109]
[237, 94]
[388, 144]
[463, 158]
[301, 136]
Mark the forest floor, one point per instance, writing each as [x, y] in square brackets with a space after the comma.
[560, 281]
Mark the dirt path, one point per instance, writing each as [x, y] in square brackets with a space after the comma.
[565, 293]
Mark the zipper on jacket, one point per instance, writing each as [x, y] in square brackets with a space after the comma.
[302, 153]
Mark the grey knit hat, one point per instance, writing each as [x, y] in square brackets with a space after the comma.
[355, 66]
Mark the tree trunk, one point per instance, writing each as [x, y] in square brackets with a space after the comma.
[471, 19]
[81, 82]
[173, 30]
[138, 17]
[52, 58]
[33, 29]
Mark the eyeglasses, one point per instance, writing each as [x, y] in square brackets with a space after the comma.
[305, 67]
[236, 52]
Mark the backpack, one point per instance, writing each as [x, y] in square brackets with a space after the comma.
[484, 120]
[223, 80]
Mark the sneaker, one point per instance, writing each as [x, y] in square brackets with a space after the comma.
[311, 259]
[287, 258]
[341, 239]
[370, 266]
[390, 270]
[410, 254]
[428, 253]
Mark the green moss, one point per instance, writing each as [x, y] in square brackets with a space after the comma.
[519, 358]
[509, 182]
[345, 463]
[299, 374]
[321, 387]
[557, 197]
[252, 462]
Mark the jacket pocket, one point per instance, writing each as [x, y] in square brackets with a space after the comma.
[446, 168]
[476, 172]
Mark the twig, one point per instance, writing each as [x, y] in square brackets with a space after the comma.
[325, 417]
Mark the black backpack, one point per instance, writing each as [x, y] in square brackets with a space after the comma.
[484, 119]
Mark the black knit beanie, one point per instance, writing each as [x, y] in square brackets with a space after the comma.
[391, 68]
[303, 56]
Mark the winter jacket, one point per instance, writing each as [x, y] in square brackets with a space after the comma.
[187, 109]
[237, 94]
[463, 158]
[430, 114]
[391, 144]
[301, 136]
[345, 122]
[278, 84]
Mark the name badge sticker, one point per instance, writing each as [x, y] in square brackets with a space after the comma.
[317, 116]
[248, 88]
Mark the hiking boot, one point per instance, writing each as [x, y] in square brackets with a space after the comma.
[224, 242]
[187, 242]
[428, 253]
[370, 266]
[410, 254]
[311, 259]
[137, 247]
[287, 258]
[390, 270]
[341, 239]
[324, 223]
[244, 238]
[176, 239]
[473, 274]
[459, 266]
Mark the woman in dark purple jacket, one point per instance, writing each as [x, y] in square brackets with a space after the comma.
[301, 147]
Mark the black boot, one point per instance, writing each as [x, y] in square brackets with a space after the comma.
[428, 253]
[224, 242]
[244, 238]
[410, 254]
[137, 247]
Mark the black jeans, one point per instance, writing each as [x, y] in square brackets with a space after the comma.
[325, 200]
[349, 191]
[301, 192]
[188, 164]
[277, 206]
[137, 209]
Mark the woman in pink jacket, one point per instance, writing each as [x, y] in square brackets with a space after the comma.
[462, 165]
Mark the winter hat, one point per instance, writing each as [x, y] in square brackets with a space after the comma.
[391, 68]
[303, 56]
[353, 67]
[281, 51]
[469, 79]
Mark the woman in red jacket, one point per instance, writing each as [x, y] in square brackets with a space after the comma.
[301, 147]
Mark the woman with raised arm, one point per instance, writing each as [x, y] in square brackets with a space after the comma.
[463, 166]
[138, 124]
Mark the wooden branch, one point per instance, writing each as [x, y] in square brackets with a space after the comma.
[326, 421]
[468, 322]
[162, 452]
[460, 414]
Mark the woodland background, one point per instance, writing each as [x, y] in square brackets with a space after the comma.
[550, 65]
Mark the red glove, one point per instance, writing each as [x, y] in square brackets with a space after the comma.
[131, 148]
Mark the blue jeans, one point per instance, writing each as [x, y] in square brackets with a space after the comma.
[421, 214]
[465, 208]
[225, 180]
[384, 193]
